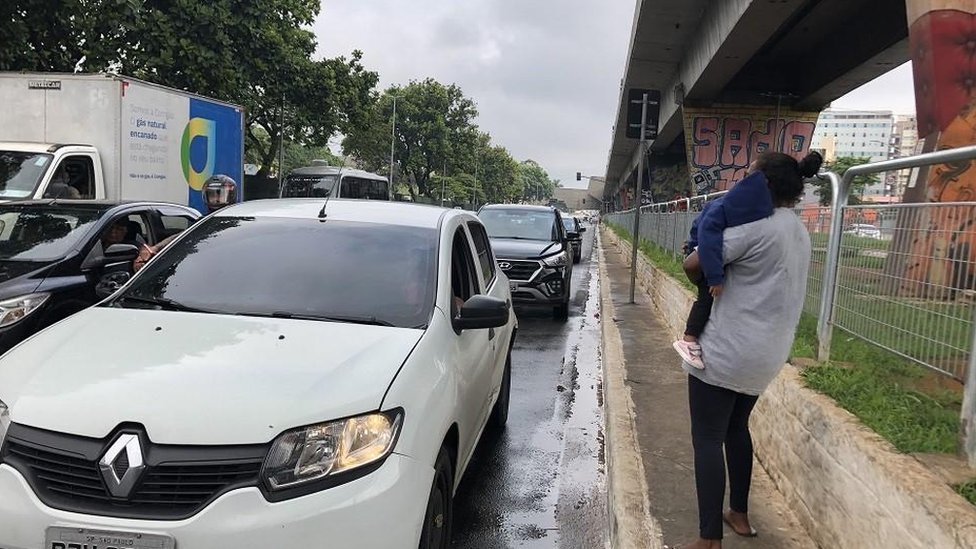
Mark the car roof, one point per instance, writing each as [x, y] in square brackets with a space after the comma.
[89, 204]
[369, 211]
[526, 207]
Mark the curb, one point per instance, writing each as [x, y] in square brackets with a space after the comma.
[631, 523]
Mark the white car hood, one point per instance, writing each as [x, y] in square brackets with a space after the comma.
[198, 378]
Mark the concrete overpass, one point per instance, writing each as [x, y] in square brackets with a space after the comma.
[741, 76]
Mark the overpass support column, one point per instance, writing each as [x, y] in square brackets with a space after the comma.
[942, 38]
[721, 141]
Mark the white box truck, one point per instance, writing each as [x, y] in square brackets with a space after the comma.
[111, 137]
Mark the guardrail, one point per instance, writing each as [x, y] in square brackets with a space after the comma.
[900, 276]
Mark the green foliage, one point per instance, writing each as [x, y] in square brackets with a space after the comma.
[967, 490]
[536, 184]
[435, 133]
[63, 35]
[439, 152]
[840, 166]
[256, 53]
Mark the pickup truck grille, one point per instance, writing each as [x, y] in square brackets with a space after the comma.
[519, 269]
[66, 476]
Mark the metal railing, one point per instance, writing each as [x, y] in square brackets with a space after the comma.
[900, 276]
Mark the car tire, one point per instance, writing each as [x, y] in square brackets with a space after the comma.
[439, 518]
[561, 312]
[577, 256]
[499, 414]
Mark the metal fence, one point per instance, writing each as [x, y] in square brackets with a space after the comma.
[900, 276]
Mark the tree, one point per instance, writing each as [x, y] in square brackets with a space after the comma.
[435, 134]
[536, 184]
[63, 35]
[256, 53]
[840, 167]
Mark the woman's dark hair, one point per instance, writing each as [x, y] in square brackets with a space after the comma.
[785, 175]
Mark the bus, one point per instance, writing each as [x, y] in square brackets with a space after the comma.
[324, 181]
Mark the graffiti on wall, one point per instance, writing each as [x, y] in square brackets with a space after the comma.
[722, 144]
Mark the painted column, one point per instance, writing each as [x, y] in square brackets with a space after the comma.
[942, 37]
[722, 141]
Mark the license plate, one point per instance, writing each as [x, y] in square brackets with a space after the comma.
[513, 286]
[84, 538]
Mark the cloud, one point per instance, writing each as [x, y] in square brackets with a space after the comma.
[545, 74]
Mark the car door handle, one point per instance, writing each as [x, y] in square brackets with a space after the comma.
[491, 334]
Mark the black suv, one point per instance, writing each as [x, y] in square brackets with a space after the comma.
[57, 258]
[533, 249]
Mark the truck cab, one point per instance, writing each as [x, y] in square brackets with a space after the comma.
[50, 170]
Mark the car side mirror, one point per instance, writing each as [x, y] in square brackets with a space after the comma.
[116, 253]
[482, 312]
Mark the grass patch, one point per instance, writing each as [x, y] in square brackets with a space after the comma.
[658, 256]
[894, 397]
[967, 490]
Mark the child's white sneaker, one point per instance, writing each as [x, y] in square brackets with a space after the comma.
[691, 352]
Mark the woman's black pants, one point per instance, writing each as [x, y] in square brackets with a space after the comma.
[720, 417]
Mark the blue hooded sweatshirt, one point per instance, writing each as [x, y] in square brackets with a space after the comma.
[747, 201]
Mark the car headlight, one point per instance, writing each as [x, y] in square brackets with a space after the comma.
[319, 451]
[4, 421]
[556, 260]
[14, 310]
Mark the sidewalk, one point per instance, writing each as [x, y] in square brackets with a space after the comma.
[658, 388]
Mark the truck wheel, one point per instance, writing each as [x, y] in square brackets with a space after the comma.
[439, 517]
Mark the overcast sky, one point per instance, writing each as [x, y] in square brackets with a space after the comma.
[544, 73]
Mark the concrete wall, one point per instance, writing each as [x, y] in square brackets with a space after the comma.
[847, 485]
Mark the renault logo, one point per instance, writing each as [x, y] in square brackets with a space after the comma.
[122, 464]
[504, 265]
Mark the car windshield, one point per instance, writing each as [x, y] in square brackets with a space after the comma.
[20, 172]
[301, 268]
[31, 233]
[308, 186]
[520, 224]
[569, 224]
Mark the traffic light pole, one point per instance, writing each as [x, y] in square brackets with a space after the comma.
[637, 196]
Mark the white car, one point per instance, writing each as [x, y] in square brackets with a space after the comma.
[288, 373]
[861, 229]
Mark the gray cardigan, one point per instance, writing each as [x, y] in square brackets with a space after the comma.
[750, 332]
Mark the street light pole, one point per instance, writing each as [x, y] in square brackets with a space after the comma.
[392, 140]
[637, 195]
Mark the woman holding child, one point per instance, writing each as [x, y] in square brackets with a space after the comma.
[752, 258]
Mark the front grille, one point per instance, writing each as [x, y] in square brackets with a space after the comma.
[520, 269]
[178, 480]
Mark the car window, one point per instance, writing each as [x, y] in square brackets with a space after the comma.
[368, 189]
[42, 234]
[483, 251]
[272, 266]
[520, 224]
[174, 224]
[463, 274]
[308, 186]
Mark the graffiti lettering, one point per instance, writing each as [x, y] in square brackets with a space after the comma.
[722, 148]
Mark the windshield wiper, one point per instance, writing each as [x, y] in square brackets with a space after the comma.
[162, 303]
[518, 238]
[368, 320]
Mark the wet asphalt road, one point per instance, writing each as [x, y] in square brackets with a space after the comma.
[542, 482]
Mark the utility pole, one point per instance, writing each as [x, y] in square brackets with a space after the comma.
[637, 195]
[392, 140]
[281, 146]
